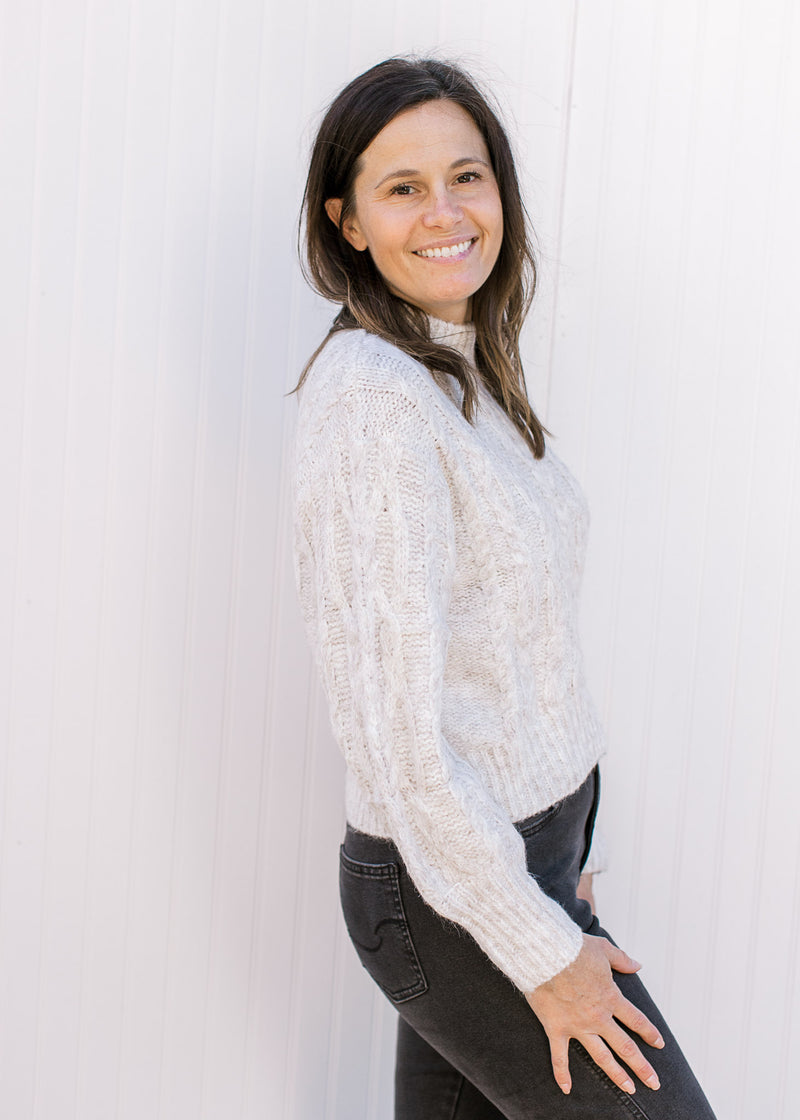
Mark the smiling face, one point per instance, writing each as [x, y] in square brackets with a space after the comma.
[427, 208]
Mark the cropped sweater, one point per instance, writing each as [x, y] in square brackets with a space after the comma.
[438, 566]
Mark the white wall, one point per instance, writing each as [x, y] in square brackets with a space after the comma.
[170, 944]
[676, 387]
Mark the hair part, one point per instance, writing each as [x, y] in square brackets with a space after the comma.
[346, 276]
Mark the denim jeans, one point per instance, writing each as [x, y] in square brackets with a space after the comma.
[469, 1047]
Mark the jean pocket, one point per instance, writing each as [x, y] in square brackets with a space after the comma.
[376, 921]
[531, 825]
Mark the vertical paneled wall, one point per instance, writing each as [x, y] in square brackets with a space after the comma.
[676, 394]
[170, 809]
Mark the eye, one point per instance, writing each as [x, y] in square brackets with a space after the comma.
[469, 177]
[401, 189]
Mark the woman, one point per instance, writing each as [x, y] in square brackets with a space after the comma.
[439, 545]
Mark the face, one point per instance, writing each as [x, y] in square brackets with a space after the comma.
[428, 209]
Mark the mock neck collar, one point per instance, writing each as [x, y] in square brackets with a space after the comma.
[459, 336]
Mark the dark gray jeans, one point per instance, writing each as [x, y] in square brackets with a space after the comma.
[468, 1046]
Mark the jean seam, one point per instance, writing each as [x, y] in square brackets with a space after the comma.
[420, 985]
[624, 1098]
[367, 870]
[456, 1098]
[389, 875]
[531, 825]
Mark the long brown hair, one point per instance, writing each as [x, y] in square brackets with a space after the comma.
[342, 274]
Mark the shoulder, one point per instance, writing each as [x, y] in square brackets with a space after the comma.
[353, 357]
[361, 380]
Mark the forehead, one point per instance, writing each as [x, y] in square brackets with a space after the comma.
[433, 131]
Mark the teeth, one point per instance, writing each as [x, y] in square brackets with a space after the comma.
[447, 251]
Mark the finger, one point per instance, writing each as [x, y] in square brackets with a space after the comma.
[638, 1022]
[602, 1056]
[624, 1047]
[559, 1056]
[619, 959]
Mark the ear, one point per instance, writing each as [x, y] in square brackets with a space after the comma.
[350, 229]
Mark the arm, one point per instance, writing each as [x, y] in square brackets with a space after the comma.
[595, 863]
[586, 890]
[375, 569]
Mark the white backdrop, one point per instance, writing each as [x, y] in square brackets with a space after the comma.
[170, 945]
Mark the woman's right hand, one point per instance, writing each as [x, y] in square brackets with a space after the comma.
[584, 1003]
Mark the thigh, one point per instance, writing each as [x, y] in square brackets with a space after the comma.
[483, 1027]
[427, 1087]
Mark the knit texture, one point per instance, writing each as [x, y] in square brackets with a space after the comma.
[438, 566]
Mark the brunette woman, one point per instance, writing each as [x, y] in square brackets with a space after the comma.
[439, 546]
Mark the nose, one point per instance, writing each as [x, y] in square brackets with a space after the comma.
[443, 209]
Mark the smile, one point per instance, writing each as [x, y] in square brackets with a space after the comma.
[447, 250]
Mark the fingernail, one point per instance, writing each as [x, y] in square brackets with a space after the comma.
[653, 1082]
[629, 1086]
[659, 1041]
[563, 1087]
[636, 964]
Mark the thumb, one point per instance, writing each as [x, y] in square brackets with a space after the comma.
[619, 959]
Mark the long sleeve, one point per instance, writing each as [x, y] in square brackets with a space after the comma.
[376, 564]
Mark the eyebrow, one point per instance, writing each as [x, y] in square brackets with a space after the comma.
[407, 172]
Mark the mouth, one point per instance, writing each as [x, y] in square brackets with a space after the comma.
[447, 252]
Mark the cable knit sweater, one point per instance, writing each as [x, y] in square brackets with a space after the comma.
[438, 566]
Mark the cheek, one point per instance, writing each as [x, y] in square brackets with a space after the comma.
[497, 216]
[494, 228]
[391, 231]
[388, 243]
[497, 227]
[488, 212]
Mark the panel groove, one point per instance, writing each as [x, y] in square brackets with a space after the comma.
[622, 482]
[84, 1057]
[7, 758]
[567, 96]
[768, 753]
[723, 297]
[787, 1066]
[64, 493]
[143, 703]
[694, 654]
[27, 1089]
[261, 733]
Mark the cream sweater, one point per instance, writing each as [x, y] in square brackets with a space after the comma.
[438, 566]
